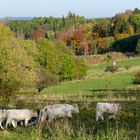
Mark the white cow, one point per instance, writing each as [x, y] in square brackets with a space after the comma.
[3, 115]
[57, 111]
[110, 108]
[16, 115]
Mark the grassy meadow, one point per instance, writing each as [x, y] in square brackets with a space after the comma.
[97, 78]
[98, 85]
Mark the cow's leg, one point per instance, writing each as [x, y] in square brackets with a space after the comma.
[1, 125]
[8, 122]
[98, 115]
[21, 123]
[102, 117]
[26, 122]
[97, 118]
[14, 123]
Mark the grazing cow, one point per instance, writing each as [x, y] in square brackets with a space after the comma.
[110, 108]
[57, 111]
[16, 115]
[3, 115]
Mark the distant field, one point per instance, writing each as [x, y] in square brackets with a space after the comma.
[98, 79]
[118, 81]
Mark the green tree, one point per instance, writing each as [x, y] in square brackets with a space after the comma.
[135, 21]
[48, 56]
[67, 70]
[102, 27]
[136, 11]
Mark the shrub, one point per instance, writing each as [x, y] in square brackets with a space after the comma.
[137, 78]
[67, 70]
[127, 67]
[111, 69]
[45, 79]
[80, 68]
[72, 68]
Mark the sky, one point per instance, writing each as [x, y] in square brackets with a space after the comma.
[58, 8]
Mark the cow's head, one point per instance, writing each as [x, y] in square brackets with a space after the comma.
[75, 109]
[42, 116]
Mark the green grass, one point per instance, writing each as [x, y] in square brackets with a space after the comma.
[111, 81]
[21, 133]
[123, 63]
[98, 79]
[130, 62]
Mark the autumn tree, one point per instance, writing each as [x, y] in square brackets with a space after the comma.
[17, 68]
[102, 45]
[102, 28]
[38, 34]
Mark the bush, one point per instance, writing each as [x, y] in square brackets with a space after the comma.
[45, 79]
[137, 78]
[80, 69]
[67, 70]
[72, 68]
[127, 67]
[111, 69]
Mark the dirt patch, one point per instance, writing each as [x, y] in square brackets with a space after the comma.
[98, 59]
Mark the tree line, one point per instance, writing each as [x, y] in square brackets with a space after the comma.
[85, 36]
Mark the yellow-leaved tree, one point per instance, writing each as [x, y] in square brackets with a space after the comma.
[17, 67]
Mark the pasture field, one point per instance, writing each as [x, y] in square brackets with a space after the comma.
[97, 78]
[97, 86]
[83, 126]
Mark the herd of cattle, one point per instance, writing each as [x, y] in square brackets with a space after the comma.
[51, 112]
